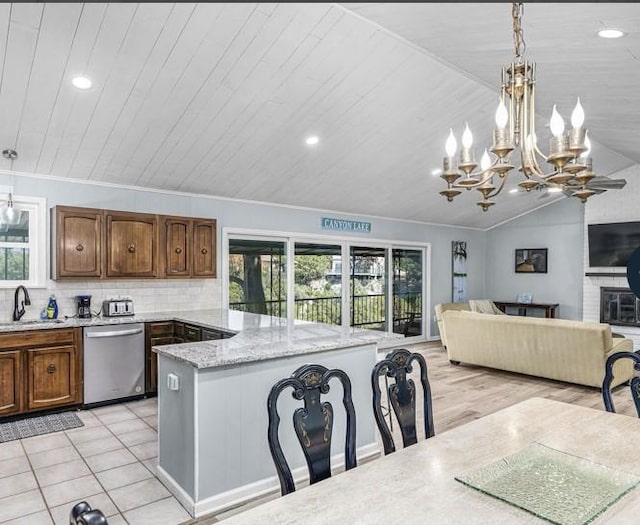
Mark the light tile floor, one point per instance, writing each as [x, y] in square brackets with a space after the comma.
[110, 463]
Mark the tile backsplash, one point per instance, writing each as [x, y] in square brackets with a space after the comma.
[148, 295]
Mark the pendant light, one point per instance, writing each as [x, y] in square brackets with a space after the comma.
[8, 213]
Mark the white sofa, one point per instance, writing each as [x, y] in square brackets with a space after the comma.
[572, 351]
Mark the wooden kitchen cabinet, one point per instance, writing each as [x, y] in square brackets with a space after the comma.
[204, 248]
[105, 244]
[190, 247]
[156, 334]
[78, 242]
[192, 333]
[11, 381]
[171, 332]
[209, 334]
[178, 247]
[132, 244]
[52, 377]
[40, 369]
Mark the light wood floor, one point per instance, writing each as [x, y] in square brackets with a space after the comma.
[463, 393]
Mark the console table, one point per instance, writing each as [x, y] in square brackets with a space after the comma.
[549, 308]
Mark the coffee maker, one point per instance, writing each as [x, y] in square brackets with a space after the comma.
[84, 306]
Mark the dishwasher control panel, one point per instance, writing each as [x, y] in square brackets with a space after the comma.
[117, 307]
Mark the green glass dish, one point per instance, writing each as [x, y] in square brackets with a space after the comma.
[558, 487]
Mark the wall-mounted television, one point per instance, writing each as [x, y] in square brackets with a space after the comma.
[612, 244]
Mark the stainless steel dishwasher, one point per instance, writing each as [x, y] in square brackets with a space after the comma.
[113, 362]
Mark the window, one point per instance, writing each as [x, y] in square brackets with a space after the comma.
[257, 276]
[23, 245]
[378, 286]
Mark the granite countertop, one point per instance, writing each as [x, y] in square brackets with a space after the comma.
[258, 337]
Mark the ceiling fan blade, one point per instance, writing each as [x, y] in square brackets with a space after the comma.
[605, 183]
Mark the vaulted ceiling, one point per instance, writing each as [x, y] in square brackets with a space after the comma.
[219, 98]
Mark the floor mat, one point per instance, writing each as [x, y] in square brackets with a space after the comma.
[36, 426]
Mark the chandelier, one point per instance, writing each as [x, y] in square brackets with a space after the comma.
[571, 167]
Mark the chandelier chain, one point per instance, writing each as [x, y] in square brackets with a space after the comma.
[518, 37]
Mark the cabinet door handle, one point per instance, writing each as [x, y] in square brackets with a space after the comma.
[132, 248]
[178, 250]
[79, 247]
[51, 368]
[204, 251]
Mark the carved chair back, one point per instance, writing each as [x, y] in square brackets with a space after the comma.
[82, 514]
[313, 423]
[402, 397]
[634, 384]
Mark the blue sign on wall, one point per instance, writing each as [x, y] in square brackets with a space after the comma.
[329, 223]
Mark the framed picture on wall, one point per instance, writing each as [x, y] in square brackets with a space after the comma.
[459, 271]
[531, 260]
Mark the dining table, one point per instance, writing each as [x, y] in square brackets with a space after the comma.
[418, 485]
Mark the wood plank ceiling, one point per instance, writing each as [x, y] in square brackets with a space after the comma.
[218, 98]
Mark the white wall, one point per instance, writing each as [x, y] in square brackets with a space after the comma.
[557, 227]
[612, 206]
[162, 295]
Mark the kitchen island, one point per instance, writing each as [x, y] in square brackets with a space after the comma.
[213, 451]
[212, 398]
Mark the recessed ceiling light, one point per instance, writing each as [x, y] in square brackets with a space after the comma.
[312, 140]
[81, 82]
[514, 190]
[554, 190]
[436, 172]
[610, 33]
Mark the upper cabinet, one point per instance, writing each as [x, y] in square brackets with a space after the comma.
[78, 237]
[178, 247]
[132, 245]
[204, 248]
[190, 247]
[105, 244]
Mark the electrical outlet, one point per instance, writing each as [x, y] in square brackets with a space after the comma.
[173, 382]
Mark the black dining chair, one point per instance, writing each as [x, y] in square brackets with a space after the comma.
[634, 383]
[313, 423]
[402, 397]
[83, 514]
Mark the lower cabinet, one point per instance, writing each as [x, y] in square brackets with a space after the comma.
[172, 332]
[40, 369]
[156, 334]
[52, 377]
[11, 381]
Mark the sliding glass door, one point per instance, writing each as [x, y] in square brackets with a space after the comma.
[257, 276]
[368, 287]
[408, 288]
[318, 282]
[377, 286]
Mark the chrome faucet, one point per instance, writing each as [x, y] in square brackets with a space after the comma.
[19, 312]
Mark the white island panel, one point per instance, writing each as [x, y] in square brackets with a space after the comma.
[226, 452]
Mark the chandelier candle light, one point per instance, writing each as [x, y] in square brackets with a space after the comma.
[515, 129]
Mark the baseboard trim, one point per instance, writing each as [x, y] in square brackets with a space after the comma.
[180, 494]
[264, 487]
